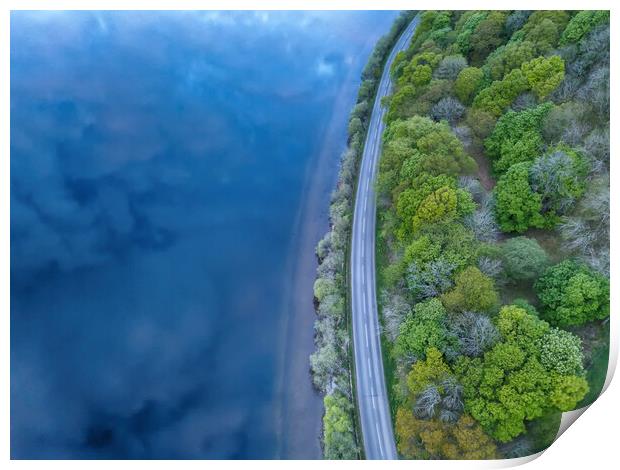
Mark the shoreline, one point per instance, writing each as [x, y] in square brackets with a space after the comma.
[301, 401]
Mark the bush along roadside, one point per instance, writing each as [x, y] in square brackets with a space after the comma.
[331, 363]
[493, 229]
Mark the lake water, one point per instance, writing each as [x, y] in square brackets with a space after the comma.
[170, 174]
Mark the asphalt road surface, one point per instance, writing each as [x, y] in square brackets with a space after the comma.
[372, 398]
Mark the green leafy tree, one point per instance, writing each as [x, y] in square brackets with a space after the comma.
[582, 23]
[420, 66]
[445, 203]
[544, 74]
[465, 27]
[501, 93]
[339, 439]
[543, 29]
[508, 57]
[409, 201]
[467, 84]
[567, 391]
[572, 294]
[561, 352]
[458, 243]
[401, 103]
[422, 250]
[517, 207]
[517, 137]
[424, 328]
[488, 35]
[416, 146]
[427, 372]
[473, 291]
[421, 75]
[324, 287]
[435, 439]
[523, 258]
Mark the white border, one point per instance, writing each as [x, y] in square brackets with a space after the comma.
[589, 444]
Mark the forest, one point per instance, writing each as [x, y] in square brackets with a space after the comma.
[493, 230]
[492, 235]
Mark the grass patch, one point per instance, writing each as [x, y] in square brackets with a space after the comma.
[596, 368]
[381, 262]
[542, 431]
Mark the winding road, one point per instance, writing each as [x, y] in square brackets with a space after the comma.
[372, 399]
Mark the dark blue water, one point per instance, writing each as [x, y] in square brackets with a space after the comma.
[160, 164]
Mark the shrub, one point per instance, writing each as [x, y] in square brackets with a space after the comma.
[572, 294]
[524, 101]
[394, 310]
[473, 291]
[586, 231]
[523, 258]
[482, 223]
[597, 145]
[595, 91]
[566, 123]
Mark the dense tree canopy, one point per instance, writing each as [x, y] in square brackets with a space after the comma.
[499, 122]
[572, 294]
[510, 384]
